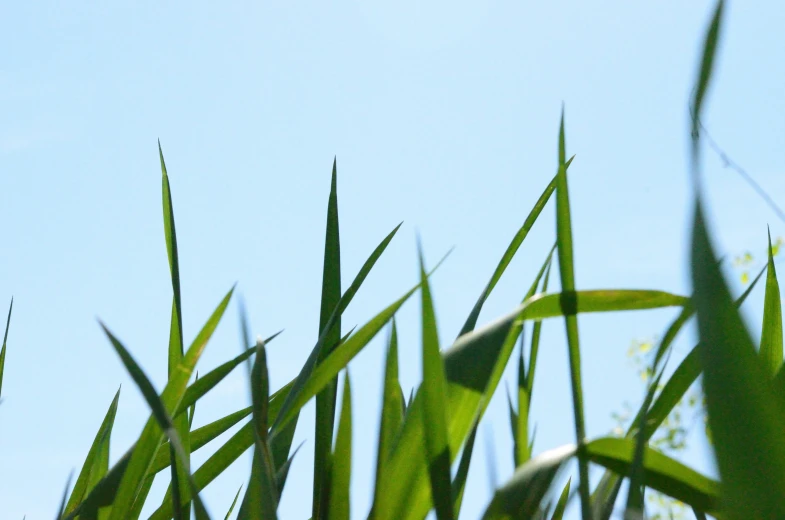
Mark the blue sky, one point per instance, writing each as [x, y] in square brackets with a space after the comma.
[443, 116]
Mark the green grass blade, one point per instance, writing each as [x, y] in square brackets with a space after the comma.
[192, 410]
[202, 436]
[520, 497]
[520, 236]
[561, 505]
[635, 506]
[661, 472]
[150, 440]
[674, 390]
[771, 336]
[459, 482]
[311, 363]
[325, 400]
[207, 382]
[473, 366]
[434, 390]
[234, 502]
[341, 460]
[61, 509]
[161, 416]
[567, 275]
[310, 381]
[745, 418]
[282, 474]
[392, 406]
[5, 341]
[261, 496]
[94, 467]
[226, 454]
[176, 348]
[704, 77]
[536, 332]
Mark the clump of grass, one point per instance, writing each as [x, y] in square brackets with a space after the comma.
[417, 468]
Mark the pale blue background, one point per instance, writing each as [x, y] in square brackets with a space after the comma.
[444, 115]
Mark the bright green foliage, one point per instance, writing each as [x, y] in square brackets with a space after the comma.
[420, 438]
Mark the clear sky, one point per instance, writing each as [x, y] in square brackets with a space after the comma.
[442, 115]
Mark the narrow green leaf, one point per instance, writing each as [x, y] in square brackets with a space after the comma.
[746, 419]
[771, 336]
[392, 406]
[227, 453]
[202, 436]
[310, 365]
[520, 497]
[310, 381]
[94, 465]
[704, 77]
[61, 509]
[261, 496]
[661, 472]
[674, 390]
[176, 348]
[341, 460]
[567, 275]
[234, 502]
[207, 382]
[474, 365]
[459, 482]
[283, 471]
[5, 341]
[150, 440]
[517, 240]
[161, 416]
[635, 493]
[434, 389]
[561, 505]
[325, 400]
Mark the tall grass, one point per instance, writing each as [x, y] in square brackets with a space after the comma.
[426, 442]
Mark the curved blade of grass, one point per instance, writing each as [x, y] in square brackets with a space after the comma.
[325, 400]
[61, 509]
[567, 275]
[661, 472]
[561, 505]
[261, 496]
[434, 390]
[203, 435]
[160, 415]
[150, 439]
[520, 497]
[96, 463]
[283, 472]
[526, 378]
[635, 493]
[311, 363]
[704, 77]
[234, 502]
[746, 419]
[674, 390]
[392, 406]
[474, 366]
[517, 240]
[311, 380]
[459, 482]
[341, 460]
[5, 341]
[176, 348]
[771, 336]
[226, 454]
[281, 444]
[207, 382]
